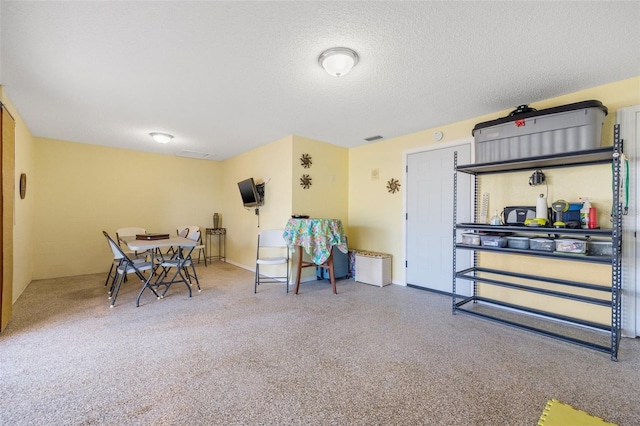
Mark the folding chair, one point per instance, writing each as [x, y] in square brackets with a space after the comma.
[190, 231]
[127, 266]
[181, 262]
[272, 250]
[181, 231]
[195, 235]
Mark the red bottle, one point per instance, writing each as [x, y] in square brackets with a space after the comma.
[593, 221]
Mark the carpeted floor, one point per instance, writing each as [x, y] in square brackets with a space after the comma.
[367, 356]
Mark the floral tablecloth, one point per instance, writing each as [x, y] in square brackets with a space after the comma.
[316, 236]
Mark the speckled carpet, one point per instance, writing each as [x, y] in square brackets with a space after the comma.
[226, 356]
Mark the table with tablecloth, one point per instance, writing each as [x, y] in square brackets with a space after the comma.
[317, 237]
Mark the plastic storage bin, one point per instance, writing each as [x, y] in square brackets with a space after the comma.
[567, 128]
[570, 245]
[599, 248]
[517, 242]
[493, 241]
[541, 244]
[471, 239]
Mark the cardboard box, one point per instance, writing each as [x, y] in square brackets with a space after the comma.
[373, 268]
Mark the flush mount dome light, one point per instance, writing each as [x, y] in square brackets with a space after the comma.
[338, 61]
[161, 137]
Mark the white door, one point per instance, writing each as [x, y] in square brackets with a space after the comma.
[629, 120]
[429, 227]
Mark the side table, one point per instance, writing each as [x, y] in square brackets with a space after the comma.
[221, 234]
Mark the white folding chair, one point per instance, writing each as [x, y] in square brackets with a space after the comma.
[181, 260]
[117, 261]
[272, 250]
[113, 270]
[181, 231]
[128, 232]
[191, 232]
[194, 235]
[126, 266]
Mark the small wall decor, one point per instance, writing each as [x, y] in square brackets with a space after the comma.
[23, 185]
[393, 186]
[305, 161]
[305, 181]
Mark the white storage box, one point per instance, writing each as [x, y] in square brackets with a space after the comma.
[542, 244]
[569, 245]
[373, 268]
[471, 239]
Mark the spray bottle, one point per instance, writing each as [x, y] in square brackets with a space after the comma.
[584, 213]
[495, 219]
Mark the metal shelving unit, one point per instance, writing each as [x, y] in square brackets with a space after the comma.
[585, 333]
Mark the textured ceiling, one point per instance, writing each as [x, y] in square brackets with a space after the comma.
[226, 77]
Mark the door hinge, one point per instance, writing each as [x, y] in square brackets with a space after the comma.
[406, 264]
[406, 216]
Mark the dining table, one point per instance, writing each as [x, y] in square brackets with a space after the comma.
[178, 259]
[317, 237]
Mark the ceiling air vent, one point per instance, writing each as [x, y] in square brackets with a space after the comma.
[194, 154]
[373, 138]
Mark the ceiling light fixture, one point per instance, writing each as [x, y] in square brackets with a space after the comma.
[338, 61]
[161, 137]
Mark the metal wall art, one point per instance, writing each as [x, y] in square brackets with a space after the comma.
[305, 181]
[305, 161]
[393, 186]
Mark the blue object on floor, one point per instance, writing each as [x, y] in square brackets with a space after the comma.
[340, 266]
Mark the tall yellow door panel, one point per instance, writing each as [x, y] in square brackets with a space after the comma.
[7, 159]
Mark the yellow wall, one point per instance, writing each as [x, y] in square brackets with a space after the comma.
[76, 190]
[569, 184]
[328, 195]
[23, 230]
[579, 271]
[82, 189]
[376, 217]
[270, 163]
[278, 164]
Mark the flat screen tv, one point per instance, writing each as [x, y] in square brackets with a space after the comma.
[249, 193]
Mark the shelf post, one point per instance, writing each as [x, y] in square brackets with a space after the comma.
[476, 193]
[616, 243]
[455, 221]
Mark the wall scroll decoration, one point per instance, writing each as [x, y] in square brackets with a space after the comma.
[305, 181]
[305, 161]
[393, 186]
